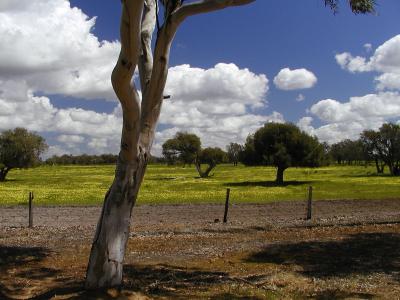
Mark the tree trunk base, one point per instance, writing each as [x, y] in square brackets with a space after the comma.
[279, 176]
[108, 248]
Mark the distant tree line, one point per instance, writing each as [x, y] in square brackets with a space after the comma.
[347, 152]
[83, 159]
[281, 145]
[89, 159]
[382, 147]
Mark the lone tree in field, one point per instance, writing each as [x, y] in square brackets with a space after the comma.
[384, 147]
[140, 118]
[19, 148]
[211, 157]
[184, 147]
[284, 146]
[233, 150]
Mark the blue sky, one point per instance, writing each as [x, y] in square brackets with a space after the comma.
[264, 37]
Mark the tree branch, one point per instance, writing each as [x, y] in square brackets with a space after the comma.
[152, 101]
[122, 74]
[146, 56]
[205, 6]
[134, 10]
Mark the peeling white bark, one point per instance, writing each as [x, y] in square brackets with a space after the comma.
[146, 57]
[139, 123]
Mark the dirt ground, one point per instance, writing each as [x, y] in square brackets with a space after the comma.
[349, 250]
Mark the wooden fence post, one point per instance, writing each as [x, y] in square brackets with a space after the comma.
[226, 205]
[309, 203]
[30, 210]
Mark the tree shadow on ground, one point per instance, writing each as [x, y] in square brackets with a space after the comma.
[20, 271]
[10, 180]
[164, 178]
[372, 175]
[141, 281]
[337, 294]
[232, 296]
[19, 264]
[169, 281]
[11, 257]
[267, 183]
[362, 254]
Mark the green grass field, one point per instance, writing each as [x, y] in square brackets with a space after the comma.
[86, 185]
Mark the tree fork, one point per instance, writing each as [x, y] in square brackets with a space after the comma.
[206, 173]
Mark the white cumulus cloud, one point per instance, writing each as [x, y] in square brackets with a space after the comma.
[217, 103]
[288, 79]
[217, 117]
[224, 84]
[342, 120]
[335, 132]
[383, 105]
[349, 119]
[50, 45]
[385, 60]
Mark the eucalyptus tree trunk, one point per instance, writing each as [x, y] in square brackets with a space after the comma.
[139, 122]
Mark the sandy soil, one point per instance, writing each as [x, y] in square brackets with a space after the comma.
[350, 249]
